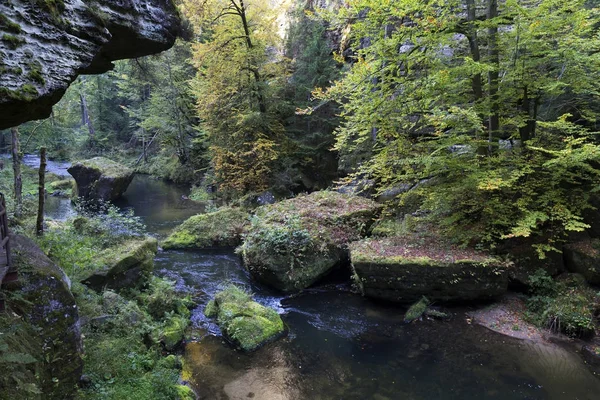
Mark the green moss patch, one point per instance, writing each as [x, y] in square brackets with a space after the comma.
[106, 167]
[222, 228]
[9, 26]
[243, 321]
[13, 42]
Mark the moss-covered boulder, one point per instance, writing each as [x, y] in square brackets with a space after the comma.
[404, 270]
[100, 178]
[128, 265]
[293, 243]
[584, 257]
[46, 303]
[222, 228]
[243, 321]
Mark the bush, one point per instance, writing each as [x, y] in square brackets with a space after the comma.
[566, 306]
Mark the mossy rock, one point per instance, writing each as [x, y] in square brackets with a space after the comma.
[584, 257]
[47, 304]
[222, 228]
[405, 269]
[244, 322]
[127, 265]
[291, 244]
[173, 333]
[100, 178]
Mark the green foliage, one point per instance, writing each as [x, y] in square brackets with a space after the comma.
[8, 25]
[13, 42]
[412, 114]
[567, 306]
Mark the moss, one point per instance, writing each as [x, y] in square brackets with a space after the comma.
[27, 92]
[211, 309]
[35, 72]
[173, 332]
[63, 184]
[222, 228]
[9, 26]
[13, 42]
[106, 167]
[185, 393]
[246, 323]
[416, 310]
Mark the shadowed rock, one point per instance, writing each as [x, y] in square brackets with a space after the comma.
[100, 178]
[46, 44]
[48, 305]
[403, 270]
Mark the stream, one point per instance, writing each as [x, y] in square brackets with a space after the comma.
[341, 345]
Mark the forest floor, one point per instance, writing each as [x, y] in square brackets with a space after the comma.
[507, 316]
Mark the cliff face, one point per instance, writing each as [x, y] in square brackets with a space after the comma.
[46, 44]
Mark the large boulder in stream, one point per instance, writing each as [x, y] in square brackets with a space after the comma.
[293, 243]
[222, 228]
[44, 301]
[402, 269]
[128, 265]
[584, 257]
[46, 44]
[244, 322]
[100, 178]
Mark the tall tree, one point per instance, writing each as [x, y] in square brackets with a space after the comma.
[420, 87]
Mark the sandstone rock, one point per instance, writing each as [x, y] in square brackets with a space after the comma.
[243, 321]
[128, 266]
[100, 178]
[401, 270]
[293, 243]
[222, 228]
[584, 257]
[46, 44]
[49, 306]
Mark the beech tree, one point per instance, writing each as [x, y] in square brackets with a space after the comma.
[240, 71]
[493, 104]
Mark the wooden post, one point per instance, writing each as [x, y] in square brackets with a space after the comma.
[16, 161]
[39, 226]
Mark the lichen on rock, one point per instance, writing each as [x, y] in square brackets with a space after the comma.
[246, 323]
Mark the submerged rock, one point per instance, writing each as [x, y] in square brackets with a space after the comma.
[403, 270]
[46, 44]
[47, 304]
[129, 265]
[293, 243]
[243, 321]
[100, 178]
[584, 257]
[222, 228]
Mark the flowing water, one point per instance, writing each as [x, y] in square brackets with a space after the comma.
[343, 346]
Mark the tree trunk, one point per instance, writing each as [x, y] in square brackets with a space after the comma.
[257, 78]
[39, 226]
[494, 119]
[474, 47]
[85, 118]
[16, 159]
